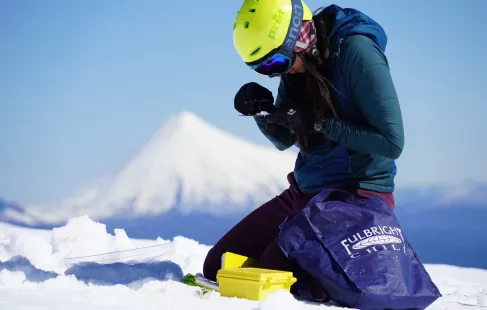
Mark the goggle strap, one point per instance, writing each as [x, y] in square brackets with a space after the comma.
[292, 34]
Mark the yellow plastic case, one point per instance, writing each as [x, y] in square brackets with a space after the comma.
[253, 283]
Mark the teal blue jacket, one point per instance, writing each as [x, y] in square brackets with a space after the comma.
[369, 134]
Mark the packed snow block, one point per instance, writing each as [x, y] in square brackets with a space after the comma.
[32, 274]
[124, 273]
[358, 252]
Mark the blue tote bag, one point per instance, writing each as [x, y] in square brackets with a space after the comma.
[358, 252]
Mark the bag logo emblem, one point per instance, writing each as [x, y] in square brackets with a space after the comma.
[374, 239]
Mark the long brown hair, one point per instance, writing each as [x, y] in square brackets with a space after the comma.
[312, 88]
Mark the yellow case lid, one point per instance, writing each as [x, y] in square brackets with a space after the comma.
[233, 260]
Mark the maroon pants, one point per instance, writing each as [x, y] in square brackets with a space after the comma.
[255, 236]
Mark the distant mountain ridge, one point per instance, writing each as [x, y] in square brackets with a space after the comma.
[192, 166]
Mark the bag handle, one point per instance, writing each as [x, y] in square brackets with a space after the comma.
[324, 194]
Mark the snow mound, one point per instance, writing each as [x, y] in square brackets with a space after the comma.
[84, 240]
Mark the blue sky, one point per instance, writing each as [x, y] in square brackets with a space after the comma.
[83, 85]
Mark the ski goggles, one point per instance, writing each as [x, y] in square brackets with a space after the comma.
[274, 64]
[280, 60]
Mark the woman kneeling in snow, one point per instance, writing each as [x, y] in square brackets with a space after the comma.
[336, 102]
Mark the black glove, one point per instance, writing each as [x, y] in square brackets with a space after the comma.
[253, 98]
[300, 122]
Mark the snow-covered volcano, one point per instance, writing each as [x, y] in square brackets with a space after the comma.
[188, 164]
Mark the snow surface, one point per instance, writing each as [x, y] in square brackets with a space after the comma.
[83, 240]
[187, 163]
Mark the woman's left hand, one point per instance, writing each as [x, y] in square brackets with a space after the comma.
[297, 121]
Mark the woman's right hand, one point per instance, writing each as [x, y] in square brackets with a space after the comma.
[253, 98]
